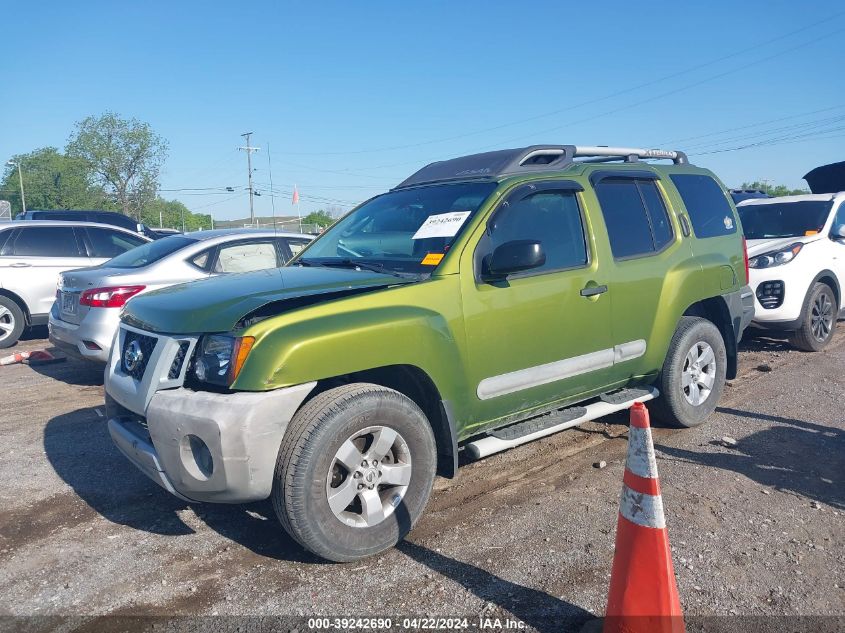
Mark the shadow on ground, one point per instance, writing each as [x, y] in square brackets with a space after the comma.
[536, 608]
[80, 450]
[755, 340]
[72, 371]
[804, 458]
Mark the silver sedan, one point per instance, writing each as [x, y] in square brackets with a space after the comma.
[86, 313]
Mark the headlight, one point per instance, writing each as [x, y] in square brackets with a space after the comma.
[776, 258]
[220, 357]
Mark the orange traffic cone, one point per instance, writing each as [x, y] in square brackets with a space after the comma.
[643, 593]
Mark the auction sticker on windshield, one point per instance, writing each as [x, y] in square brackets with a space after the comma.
[441, 225]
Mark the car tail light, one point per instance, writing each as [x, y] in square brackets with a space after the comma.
[745, 255]
[114, 297]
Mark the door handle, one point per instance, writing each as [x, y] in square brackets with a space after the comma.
[592, 291]
[20, 265]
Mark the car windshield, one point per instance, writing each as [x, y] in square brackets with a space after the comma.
[149, 252]
[784, 219]
[404, 232]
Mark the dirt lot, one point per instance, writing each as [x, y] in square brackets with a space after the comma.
[756, 528]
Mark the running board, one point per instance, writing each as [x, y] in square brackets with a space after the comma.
[535, 428]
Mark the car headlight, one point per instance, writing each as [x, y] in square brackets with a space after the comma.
[776, 258]
[219, 358]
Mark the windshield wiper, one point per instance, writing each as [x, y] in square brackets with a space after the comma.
[372, 266]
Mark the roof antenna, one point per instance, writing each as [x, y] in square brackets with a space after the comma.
[272, 195]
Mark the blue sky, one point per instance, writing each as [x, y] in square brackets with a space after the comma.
[352, 97]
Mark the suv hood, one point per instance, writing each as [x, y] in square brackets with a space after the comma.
[758, 247]
[217, 304]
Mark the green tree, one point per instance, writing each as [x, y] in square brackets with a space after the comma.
[318, 217]
[51, 180]
[774, 190]
[171, 213]
[124, 157]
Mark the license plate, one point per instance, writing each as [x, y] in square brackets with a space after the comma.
[68, 303]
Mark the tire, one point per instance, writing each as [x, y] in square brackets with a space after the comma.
[677, 404]
[818, 319]
[12, 322]
[309, 468]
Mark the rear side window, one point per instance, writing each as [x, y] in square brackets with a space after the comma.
[706, 204]
[296, 245]
[246, 257]
[106, 243]
[635, 215]
[44, 241]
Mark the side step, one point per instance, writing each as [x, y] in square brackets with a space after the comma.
[535, 428]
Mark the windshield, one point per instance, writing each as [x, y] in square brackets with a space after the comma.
[784, 219]
[401, 232]
[149, 252]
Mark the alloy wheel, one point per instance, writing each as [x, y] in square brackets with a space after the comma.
[369, 476]
[7, 322]
[821, 317]
[699, 373]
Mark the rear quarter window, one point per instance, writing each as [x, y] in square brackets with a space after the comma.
[45, 241]
[706, 204]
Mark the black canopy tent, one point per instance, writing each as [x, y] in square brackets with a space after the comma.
[827, 178]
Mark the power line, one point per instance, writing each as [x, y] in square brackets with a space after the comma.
[581, 104]
[606, 113]
[816, 125]
[211, 204]
[747, 125]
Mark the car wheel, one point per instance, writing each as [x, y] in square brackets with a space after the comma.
[818, 318]
[12, 322]
[354, 472]
[693, 375]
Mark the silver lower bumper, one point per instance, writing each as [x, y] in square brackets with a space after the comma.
[238, 434]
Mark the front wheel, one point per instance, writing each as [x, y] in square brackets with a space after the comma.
[12, 322]
[355, 471]
[818, 318]
[693, 374]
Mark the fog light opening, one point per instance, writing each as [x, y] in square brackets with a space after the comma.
[200, 457]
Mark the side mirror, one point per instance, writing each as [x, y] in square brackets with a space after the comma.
[838, 232]
[515, 256]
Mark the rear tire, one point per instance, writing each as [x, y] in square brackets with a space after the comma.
[693, 375]
[12, 322]
[329, 489]
[818, 319]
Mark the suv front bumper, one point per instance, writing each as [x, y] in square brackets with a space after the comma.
[203, 446]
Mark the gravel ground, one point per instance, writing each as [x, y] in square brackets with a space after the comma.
[756, 527]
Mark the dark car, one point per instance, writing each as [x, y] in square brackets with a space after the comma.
[739, 195]
[101, 217]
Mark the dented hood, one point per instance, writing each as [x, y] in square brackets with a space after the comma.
[218, 303]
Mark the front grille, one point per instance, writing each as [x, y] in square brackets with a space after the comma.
[178, 361]
[770, 294]
[134, 358]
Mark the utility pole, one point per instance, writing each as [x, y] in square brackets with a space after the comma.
[20, 179]
[249, 150]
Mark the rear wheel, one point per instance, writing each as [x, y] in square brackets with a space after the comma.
[12, 322]
[693, 374]
[818, 317]
[355, 471]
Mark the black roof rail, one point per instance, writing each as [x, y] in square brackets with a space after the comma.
[535, 158]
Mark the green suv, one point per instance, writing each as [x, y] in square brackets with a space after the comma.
[484, 302]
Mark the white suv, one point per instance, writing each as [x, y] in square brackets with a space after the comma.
[796, 251]
[34, 252]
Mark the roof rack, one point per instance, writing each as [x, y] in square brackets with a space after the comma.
[535, 158]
